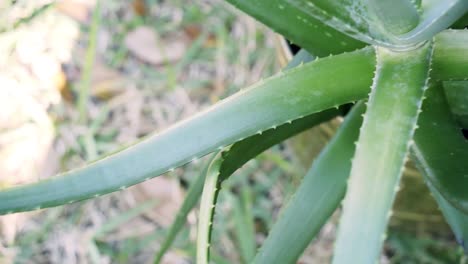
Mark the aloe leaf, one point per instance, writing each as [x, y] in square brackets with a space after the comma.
[299, 26]
[436, 16]
[207, 208]
[440, 150]
[397, 16]
[450, 55]
[278, 100]
[319, 194]
[456, 93]
[386, 133]
[241, 152]
[457, 219]
[350, 17]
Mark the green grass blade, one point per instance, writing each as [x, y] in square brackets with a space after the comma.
[319, 194]
[191, 199]
[457, 98]
[207, 208]
[385, 136]
[440, 150]
[275, 101]
[457, 219]
[85, 82]
[299, 26]
[244, 225]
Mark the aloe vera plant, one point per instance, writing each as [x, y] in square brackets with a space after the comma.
[400, 60]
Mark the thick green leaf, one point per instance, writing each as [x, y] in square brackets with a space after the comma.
[457, 219]
[441, 151]
[251, 111]
[299, 26]
[385, 136]
[436, 16]
[241, 152]
[457, 97]
[385, 23]
[290, 95]
[317, 197]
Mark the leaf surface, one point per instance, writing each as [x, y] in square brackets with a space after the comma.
[441, 151]
[385, 136]
[317, 197]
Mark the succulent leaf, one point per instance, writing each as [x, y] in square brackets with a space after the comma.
[319, 194]
[456, 93]
[440, 150]
[278, 100]
[385, 136]
[299, 26]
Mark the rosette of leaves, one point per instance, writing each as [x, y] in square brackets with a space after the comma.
[397, 61]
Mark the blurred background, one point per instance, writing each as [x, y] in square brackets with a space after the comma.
[81, 78]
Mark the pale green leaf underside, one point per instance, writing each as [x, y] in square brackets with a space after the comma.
[207, 208]
[319, 194]
[388, 127]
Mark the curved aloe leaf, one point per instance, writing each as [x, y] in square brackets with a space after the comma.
[207, 208]
[385, 136]
[262, 106]
[457, 97]
[457, 219]
[241, 152]
[317, 197]
[290, 95]
[436, 16]
[236, 156]
[350, 17]
[385, 23]
[301, 27]
[441, 151]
